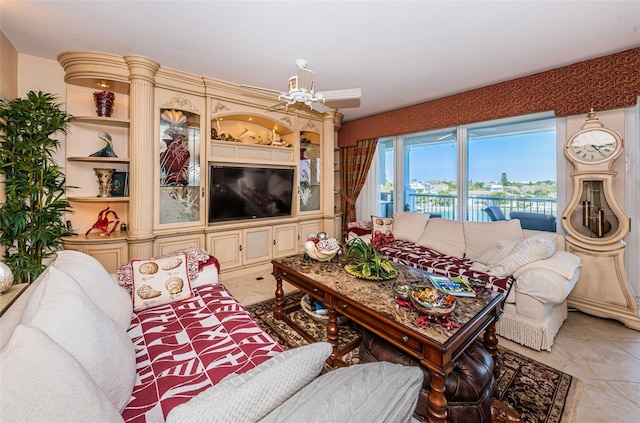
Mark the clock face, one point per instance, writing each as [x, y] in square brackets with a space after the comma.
[593, 145]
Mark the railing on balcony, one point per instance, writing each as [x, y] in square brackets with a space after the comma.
[447, 205]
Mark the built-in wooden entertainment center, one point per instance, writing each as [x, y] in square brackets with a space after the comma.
[168, 128]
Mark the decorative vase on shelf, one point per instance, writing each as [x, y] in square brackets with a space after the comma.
[174, 161]
[104, 102]
[105, 179]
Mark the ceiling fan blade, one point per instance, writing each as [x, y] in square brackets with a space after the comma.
[276, 106]
[318, 106]
[342, 99]
[305, 79]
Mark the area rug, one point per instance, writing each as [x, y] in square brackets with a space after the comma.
[538, 392]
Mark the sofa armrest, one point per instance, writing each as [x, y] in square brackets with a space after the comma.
[561, 262]
[545, 285]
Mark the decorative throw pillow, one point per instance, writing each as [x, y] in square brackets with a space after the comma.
[160, 281]
[250, 396]
[537, 247]
[380, 240]
[198, 258]
[361, 224]
[408, 226]
[384, 225]
[495, 254]
[41, 382]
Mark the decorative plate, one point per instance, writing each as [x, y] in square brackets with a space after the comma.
[351, 269]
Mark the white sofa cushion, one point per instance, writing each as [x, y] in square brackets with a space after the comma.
[250, 396]
[65, 313]
[544, 285]
[371, 392]
[98, 284]
[408, 226]
[41, 382]
[561, 262]
[445, 236]
[538, 247]
[495, 254]
[480, 236]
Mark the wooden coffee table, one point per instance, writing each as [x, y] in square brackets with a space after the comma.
[372, 305]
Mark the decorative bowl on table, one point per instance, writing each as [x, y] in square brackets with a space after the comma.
[432, 301]
[316, 254]
[321, 249]
[401, 290]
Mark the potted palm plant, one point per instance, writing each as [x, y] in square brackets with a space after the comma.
[32, 216]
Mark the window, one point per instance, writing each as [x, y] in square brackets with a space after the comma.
[385, 164]
[429, 173]
[509, 164]
[512, 166]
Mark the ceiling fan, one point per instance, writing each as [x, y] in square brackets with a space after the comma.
[302, 92]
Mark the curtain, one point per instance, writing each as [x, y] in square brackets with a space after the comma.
[368, 202]
[356, 161]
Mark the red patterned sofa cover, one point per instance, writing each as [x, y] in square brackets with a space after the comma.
[185, 347]
[424, 258]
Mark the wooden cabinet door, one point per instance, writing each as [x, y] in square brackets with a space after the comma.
[226, 247]
[285, 240]
[257, 245]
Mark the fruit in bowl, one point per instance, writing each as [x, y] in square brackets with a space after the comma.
[321, 249]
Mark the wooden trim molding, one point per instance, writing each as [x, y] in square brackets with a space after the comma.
[604, 83]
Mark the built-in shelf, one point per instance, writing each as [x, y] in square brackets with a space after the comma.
[95, 235]
[99, 159]
[99, 199]
[100, 120]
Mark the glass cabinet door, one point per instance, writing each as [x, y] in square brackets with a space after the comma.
[310, 172]
[179, 197]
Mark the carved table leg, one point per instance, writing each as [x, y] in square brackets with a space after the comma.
[332, 332]
[491, 344]
[437, 407]
[278, 311]
[501, 411]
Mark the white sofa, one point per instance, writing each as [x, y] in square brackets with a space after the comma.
[73, 350]
[530, 267]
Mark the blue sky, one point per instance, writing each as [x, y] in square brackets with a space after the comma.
[528, 157]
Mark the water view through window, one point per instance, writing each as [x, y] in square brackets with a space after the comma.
[509, 165]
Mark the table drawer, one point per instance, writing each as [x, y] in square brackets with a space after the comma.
[368, 319]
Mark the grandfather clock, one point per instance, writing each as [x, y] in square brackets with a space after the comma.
[596, 225]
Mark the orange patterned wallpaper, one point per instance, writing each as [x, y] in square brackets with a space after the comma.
[604, 83]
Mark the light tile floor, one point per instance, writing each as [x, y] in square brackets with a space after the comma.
[601, 353]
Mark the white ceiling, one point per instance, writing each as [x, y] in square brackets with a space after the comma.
[399, 52]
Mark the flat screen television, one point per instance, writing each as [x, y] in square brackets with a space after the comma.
[249, 192]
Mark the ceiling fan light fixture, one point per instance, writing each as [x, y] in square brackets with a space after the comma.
[302, 90]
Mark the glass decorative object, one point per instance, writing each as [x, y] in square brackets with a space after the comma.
[6, 277]
[104, 102]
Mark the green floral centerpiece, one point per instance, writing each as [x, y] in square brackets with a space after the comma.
[366, 262]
